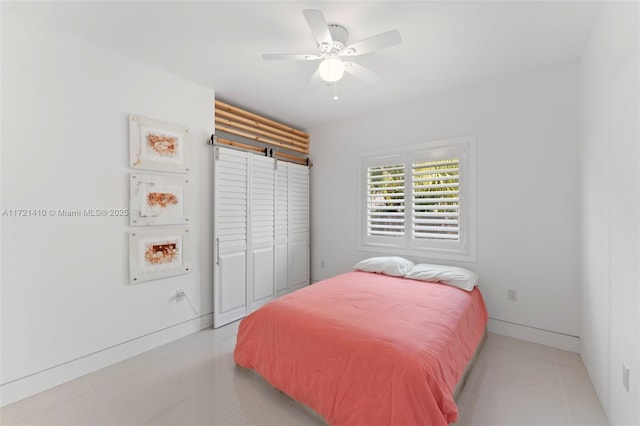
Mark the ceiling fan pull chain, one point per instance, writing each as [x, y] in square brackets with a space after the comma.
[335, 91]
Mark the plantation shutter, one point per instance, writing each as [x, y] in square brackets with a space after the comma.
[435, 204]
[298, 221]
[261, 232]
[282, 228]
[386, 200]
[420, 200]
[230, 233]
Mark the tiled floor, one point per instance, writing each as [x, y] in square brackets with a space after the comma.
[519, 383]
[193, 381]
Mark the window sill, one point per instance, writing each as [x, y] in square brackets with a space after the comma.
[422, 253]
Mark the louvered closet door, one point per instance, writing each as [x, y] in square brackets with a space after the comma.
[281, 263]
[298, 233]
[230, 236]
[261, 230]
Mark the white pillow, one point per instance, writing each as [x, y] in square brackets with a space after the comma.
[451, 275]
[388, 265]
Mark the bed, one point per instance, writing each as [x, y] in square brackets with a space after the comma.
[364, 348]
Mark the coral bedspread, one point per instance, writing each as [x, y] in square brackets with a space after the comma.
[367, 349]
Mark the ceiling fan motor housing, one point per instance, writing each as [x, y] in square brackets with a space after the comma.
[339, 35]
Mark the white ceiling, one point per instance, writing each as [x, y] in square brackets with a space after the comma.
[446, 46]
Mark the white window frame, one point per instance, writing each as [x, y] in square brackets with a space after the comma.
[463, 249]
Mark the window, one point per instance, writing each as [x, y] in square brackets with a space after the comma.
[420, 200]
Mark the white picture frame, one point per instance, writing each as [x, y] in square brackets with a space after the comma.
[159, 199]
[158, 253]
[158, 145]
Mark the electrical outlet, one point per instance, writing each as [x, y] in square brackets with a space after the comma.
[512, 295]
[180, 294]
[625, 377]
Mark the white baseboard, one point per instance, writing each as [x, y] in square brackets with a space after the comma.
[54, 376]
[535, 335]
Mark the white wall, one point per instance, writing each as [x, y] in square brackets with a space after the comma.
[527, 183]
[610, 209]
[67, 306]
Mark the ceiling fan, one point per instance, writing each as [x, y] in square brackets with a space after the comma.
[332, 47]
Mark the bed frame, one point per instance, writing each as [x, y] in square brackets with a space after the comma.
[463, 380]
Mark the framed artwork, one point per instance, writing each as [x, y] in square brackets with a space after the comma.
[157, 145]
[159, 200]
[158, 253]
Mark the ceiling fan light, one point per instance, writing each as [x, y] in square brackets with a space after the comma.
[331, 69]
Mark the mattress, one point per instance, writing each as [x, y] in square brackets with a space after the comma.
[367, 349]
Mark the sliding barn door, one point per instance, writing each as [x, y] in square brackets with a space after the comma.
[298, 232]
[261, 230]
[230, 235]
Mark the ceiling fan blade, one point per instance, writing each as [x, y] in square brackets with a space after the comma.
[315, 79]
[361, 72]
[291, 56]
[319, 27]
[376, 42]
